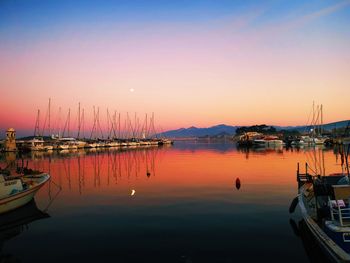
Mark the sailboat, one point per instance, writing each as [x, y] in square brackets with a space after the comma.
[314, 136]
[37, 142]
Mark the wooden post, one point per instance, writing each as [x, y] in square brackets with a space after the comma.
[305, 168]
[298, 169]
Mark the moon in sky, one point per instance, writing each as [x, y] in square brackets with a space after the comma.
[133, 192]
[131, 90]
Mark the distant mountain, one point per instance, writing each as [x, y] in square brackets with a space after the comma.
[328, 126]
[200, 132]
[223, 129]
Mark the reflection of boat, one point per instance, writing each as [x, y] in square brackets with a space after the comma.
[14, 223]
[313, 250]
[18, 191]
[325, 207]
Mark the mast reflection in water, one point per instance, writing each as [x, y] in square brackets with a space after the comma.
[168, 204]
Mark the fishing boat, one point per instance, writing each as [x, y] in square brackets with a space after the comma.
[324, 201]
[16, 191]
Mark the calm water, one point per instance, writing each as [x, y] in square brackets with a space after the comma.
[169, 204]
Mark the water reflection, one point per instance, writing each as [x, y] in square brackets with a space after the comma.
[16, 222]
[70, 169]
[195, 202]
[312, 249]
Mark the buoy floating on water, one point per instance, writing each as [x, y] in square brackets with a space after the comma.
[238, 183]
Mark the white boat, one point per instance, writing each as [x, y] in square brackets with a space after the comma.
[307, 140]
[113, 144]
[268, 141]
[72, 146]
[80, 144]
[63, 147]
[145, 143]
[167, 141]
[35, 144]
[48, 147]
[91, 145]
[18, 191]
[154, 142]
[100, 144]
[123, 144]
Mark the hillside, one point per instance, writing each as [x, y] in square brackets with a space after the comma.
[231, 130]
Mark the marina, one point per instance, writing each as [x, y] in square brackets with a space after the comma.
[111, 135]
[174, 131]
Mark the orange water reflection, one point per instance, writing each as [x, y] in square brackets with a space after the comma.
[179, 172]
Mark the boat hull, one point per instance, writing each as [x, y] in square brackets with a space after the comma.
[20, 199]
[332, 250]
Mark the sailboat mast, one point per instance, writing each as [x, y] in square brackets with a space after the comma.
[68, 128]
[36, 129]
[134, 130]
[94, 126]
[98, 122]
[115, 124]
[128, 124]
[48, 126]
[108, 130]
[313, 118]
[146, 135]
[119, 126]
[82, 121]
[321, 119]
[59, 122]
[79, 123]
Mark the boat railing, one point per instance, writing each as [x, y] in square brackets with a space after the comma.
[339, 212]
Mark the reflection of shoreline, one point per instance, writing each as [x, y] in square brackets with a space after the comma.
[85, 168]
[14, 223]
[83, 151]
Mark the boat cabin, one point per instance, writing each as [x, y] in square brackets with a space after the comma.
[9, 187]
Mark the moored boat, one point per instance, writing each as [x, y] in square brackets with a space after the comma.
[16, 191]
[325, 207]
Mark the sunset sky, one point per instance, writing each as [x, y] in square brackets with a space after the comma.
[197, 63]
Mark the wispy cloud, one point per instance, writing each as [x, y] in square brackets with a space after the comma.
[299, 22]
[281, 28]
